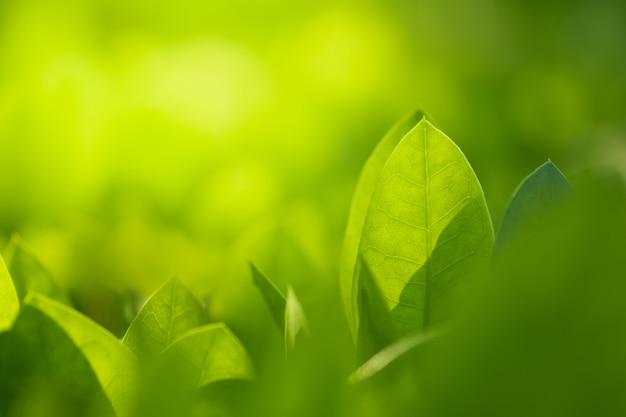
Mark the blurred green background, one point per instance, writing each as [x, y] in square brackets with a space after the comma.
[145, 139]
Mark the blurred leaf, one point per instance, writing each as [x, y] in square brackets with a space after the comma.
[376, 329]
[295, 321]
[286, 311]
[8, 298]
[111, 361]
[359, 207]
[207, 354]
[427, 229]
[40, 362]
[168, 313]
[29, 274]
[537, 193]
[274, 299]
[547, 337]
[389, 354]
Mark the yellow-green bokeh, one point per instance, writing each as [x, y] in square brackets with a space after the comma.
[141, 140]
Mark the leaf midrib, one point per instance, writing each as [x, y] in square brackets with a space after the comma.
[427, 209]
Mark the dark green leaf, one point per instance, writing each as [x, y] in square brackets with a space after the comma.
[538, 193]
[274, 299]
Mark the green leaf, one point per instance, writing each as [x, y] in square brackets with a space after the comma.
[389, 354]
[29, 274]
[10, 304]
[274, 299]
[112, 363]
[295, 321]
[427, 230]
[359, 207]
[286, 311]
[538, 193]
[207, 354]
[40, 363]
[171, 311]
[52, 339]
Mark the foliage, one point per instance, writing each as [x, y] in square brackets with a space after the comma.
[440, 325]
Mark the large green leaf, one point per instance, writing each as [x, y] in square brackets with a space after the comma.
[29, 274]
[538, 193]
[427, 229]
[274, 299]
[55, 340]
[358, 211]
[169, 312]
[111, 361]
[9, 303]
[207, 354]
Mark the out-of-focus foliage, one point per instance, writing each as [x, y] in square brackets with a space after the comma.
[144, 140]
[548, 338]
[29, 274]
[8, 298]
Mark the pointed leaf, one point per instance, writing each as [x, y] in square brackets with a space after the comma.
[358, 210]
[28, 273]
[427, 229]
[169, 312]
[538, 193]
[9, 303]
[207, 354]
[111, 362]
[274, 299]
[295, 321]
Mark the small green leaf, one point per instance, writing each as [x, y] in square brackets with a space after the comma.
[295, 321]
[286, 311]
[28, 273]
[207, 354]
[10, 304]
[111, 361]
[359, 207]
[389, 354]
[427, 230]
[169, 312]
[538, 193]
[274, 299]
